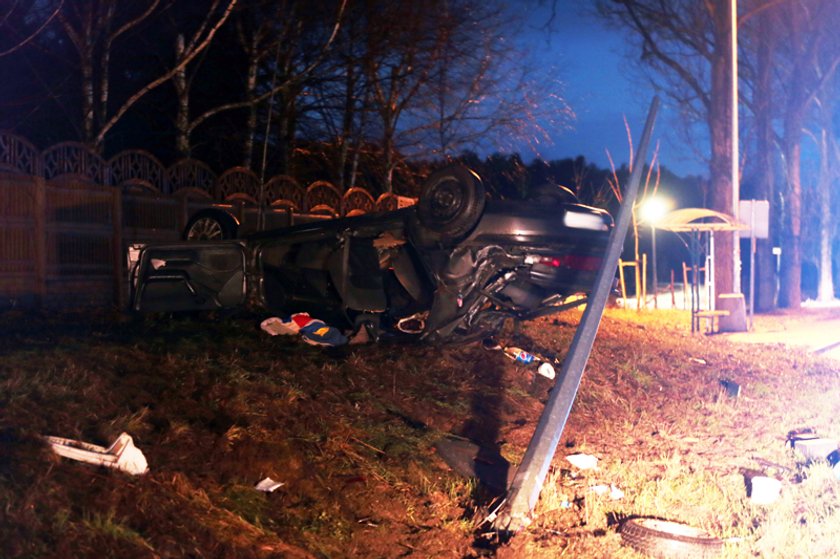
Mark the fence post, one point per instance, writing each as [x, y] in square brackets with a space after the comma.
[184, 212]
[117, 246]
[40, 218]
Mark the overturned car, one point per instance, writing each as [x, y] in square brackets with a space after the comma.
[452, 267]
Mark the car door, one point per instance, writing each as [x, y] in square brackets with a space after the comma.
[192, 276]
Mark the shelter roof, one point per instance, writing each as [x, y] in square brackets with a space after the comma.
[699, 219]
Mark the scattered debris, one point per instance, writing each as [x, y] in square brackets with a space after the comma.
[311, 330]
[317, 332]
[834, 462]
[121, 455]
[614, 492]
[547, 370]
[275, 326]
[730, 388]
[545, 364]
[802, 433]
[583, 461]
[814, 449]
[772, 465]
[763, 490]
[413, 324]
[663, 538]
[471, 460]
[268, 485]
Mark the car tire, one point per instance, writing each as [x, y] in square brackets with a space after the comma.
[451, 203]
[210, 225]
[664, 539]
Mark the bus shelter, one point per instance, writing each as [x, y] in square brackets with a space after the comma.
[700, 226]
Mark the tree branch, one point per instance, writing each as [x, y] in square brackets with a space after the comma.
[31, 37]
[168, 75]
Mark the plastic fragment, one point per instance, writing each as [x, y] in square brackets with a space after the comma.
[121, 455]
[583, 461]
[268, 485]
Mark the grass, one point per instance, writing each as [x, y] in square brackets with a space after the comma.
[216, 406]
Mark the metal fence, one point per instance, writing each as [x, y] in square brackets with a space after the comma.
[67, 215]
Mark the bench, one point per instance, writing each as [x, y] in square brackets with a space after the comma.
[711, 318]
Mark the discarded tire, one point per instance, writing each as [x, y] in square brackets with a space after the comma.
[664, 539]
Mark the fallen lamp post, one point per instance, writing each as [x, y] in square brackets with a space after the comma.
[515, 512]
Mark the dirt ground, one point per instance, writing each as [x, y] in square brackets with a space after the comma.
[216, 406]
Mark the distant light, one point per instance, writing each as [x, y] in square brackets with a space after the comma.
[653, 209]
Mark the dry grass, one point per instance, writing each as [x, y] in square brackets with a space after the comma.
[216, 406]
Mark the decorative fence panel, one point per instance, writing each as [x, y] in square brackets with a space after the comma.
[67, 216]
[81, 252]
[19, 227]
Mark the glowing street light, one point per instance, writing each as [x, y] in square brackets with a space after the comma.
[651, 211]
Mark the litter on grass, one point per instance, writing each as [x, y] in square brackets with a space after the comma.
[764, 490]
[544, 364]
[815, 449]
[583, 461]
[311, 330]
[268, 485]
[730, 388]
[614, 492]
[121, 455]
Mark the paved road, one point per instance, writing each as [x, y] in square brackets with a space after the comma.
[815, 329]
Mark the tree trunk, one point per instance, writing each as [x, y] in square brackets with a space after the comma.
[720, 168]
[388, 151]
[765, 261]
[346, 127]
[790, 295]
[88, 101]
[250, 92]
[104, 91]
[182, 119]
[825, 290]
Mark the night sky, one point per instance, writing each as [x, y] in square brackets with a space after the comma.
[590, 60]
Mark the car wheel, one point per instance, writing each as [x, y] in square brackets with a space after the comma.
[661, 538]
[210, 225]
[451, 202]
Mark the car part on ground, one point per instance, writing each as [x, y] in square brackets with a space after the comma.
[665, 539]
[461, 262]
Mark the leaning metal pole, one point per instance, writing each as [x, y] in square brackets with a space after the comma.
[525, 488]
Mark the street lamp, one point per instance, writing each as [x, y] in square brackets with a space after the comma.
[652, 210]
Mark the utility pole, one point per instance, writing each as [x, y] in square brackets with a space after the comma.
[736, 188]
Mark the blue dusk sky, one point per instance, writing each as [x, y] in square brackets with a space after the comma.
[592, 67]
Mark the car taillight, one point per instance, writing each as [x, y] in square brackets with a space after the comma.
[573, 261]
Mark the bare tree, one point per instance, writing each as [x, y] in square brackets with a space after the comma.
[483, 91]
[824, 224]
[22, 22]
[761, 38]
[685, 44]
[810, 59]
[271, 36]
[92, 27]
